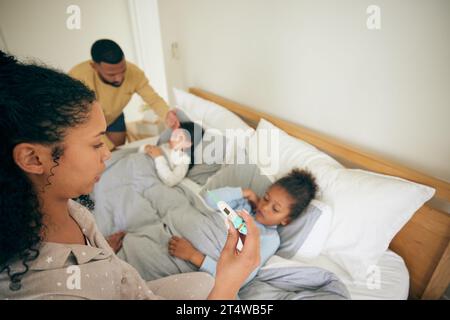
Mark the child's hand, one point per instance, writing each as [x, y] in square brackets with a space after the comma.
[251, 196]
[183, 249]
[153, 151]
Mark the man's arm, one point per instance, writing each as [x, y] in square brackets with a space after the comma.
[151, 97]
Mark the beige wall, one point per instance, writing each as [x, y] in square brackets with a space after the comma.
[316, 63]
[37, 29]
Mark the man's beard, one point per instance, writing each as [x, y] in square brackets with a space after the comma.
[113, 84]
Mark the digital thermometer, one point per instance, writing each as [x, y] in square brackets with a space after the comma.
[233, 217]
[237, 221]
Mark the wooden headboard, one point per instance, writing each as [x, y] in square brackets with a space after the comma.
[423, 243]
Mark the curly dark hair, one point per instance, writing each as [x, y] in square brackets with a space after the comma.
[37, 105]
[301, 186]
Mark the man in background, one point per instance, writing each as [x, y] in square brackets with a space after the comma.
[114, 80]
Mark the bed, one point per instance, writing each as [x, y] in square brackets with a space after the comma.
[416, 265]
[423, 243]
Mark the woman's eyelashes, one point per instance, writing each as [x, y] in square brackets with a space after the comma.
[97, 146]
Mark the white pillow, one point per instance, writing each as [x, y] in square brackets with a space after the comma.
[305, 237]
[368, 208]
[209, 114]
[286, 153]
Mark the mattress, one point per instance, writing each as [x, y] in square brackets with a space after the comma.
[388, 281]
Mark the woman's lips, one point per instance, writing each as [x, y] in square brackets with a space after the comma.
[97, 177]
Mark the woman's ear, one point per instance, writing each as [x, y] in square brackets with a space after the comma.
[30, 157]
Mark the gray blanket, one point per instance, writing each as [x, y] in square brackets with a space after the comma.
[131, 197]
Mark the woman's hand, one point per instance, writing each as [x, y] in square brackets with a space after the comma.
[251, 196]
[153, 151]
[234, 267]
[115, 240]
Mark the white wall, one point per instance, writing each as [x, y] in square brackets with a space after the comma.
[316, 63]
[37, 29]
[145, 26]
[170, 16]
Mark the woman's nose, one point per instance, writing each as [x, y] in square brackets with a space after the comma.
[106, 154]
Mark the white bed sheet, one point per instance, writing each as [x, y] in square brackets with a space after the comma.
[389, 281]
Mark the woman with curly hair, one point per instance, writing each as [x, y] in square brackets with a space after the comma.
[50, 248]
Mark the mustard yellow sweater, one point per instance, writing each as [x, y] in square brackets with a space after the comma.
[114, 99]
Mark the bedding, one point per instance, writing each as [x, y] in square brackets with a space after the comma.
[388, 281]
[130, 197]
[368, 208]
[388, 268]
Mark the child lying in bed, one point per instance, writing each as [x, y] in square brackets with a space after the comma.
[172, 160]
[283, 201]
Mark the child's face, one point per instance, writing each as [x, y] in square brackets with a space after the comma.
[179, 140]
[274, 207]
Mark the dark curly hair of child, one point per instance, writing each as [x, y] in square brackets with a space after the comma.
[301, 186]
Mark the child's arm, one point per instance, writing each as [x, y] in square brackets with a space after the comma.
[251, 196]
[167, 175]
[170, 176]
[208, 265]
[227, 194]
[183, 249]
[151, 150]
